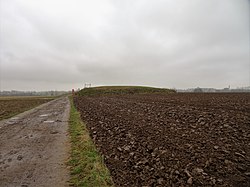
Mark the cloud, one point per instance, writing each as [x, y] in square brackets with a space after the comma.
[62, 44]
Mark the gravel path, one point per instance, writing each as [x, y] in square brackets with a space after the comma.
[34, 146]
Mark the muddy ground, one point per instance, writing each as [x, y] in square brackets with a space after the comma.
[172, 140]
[34, 147]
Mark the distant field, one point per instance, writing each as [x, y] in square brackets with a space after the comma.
[10, 106]
[119, 90]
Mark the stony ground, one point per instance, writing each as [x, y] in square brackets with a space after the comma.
[34, 147]
[172, 140]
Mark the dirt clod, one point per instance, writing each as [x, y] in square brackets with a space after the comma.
[19, 157]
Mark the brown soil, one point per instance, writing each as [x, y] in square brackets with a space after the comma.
[34, 147]
[172, 140]
[10, 106]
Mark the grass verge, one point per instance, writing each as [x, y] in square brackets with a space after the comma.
[87, 166]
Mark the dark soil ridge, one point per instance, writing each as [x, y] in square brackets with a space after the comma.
[173, 139]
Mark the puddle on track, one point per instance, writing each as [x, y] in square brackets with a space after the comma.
[13, 120]
[44, 115]
[49, 121]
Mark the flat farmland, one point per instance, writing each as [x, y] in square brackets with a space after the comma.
[12, 105]
[171, 139]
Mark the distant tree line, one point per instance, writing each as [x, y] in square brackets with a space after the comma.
[32, 93]
[211, 90]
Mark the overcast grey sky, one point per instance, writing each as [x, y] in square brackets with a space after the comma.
[61, 44]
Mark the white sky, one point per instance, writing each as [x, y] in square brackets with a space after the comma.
[62, 44]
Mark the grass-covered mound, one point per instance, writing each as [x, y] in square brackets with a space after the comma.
[118, 90]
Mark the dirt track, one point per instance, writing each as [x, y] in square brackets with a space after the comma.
[172, 140]
[34, 147]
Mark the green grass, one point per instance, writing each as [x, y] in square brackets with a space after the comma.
[118, 90]
[87, 166]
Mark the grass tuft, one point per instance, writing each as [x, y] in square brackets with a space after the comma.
[87, 166]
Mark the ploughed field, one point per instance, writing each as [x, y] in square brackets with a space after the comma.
[12, 105]
[171, 139]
